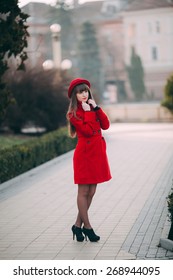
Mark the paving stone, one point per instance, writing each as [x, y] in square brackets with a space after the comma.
[129, 212]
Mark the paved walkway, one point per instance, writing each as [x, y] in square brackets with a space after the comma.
[38, 208]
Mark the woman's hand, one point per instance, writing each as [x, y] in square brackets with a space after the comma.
[92, 102]
[85, 106]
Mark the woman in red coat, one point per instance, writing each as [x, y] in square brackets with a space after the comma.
[90, 161]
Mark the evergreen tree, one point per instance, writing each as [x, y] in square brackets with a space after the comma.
[136, 76]
[89, 59]
[13, 41]
[168, 94]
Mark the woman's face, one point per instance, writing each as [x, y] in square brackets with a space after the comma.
[82, 96]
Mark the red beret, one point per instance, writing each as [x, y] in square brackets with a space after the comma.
[76, 82]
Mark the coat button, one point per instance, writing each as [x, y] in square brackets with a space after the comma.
[88, 142]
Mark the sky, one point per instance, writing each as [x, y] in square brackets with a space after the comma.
[24, 2]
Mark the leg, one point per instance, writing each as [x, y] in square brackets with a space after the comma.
[85, 195]
[82, 202]
[88, 231]
[92, 190]
[84, 199]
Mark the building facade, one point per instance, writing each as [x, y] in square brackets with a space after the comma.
[120, 25]
[39, 42]
[148, 27]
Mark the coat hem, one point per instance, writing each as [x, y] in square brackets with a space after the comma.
[89, 183]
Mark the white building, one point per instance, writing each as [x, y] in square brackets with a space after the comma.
[148, 27]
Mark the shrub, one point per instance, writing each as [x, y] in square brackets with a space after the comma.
[40, 100]
[168, 94]
[170, 210]
[21, 158]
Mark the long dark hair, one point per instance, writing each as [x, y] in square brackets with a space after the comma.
[73, 106]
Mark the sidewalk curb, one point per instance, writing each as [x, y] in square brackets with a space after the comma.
[166, 243]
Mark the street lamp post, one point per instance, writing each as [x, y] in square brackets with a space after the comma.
[56, 44]
[57, 62]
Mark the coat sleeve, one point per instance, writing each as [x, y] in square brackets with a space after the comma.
[86, 125]
[104, 121]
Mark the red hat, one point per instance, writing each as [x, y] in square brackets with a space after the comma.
[76, 82]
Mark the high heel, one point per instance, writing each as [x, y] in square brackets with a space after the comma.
[90, 234]
[78, 232]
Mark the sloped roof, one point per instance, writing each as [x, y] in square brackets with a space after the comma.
[92, 11]
[39, 12]
[136, 5]
[88, 11]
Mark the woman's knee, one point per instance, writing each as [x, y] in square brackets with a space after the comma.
[83, 190]
[92, 190]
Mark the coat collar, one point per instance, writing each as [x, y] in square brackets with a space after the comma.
[79, 106]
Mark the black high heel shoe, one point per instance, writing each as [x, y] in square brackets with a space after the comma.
[78, 232]
[90, 234]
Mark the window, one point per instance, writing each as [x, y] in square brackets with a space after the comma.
[108, 36]
[111, 9]
[154, 53]
[157, 27]
[154, 28]
[149, 28]
[132, 30]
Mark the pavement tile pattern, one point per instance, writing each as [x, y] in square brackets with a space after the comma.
[129, 212]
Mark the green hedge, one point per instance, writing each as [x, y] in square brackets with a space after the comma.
[170, 210]
[21, 158]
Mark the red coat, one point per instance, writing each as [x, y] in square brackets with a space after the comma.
[90, 161]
